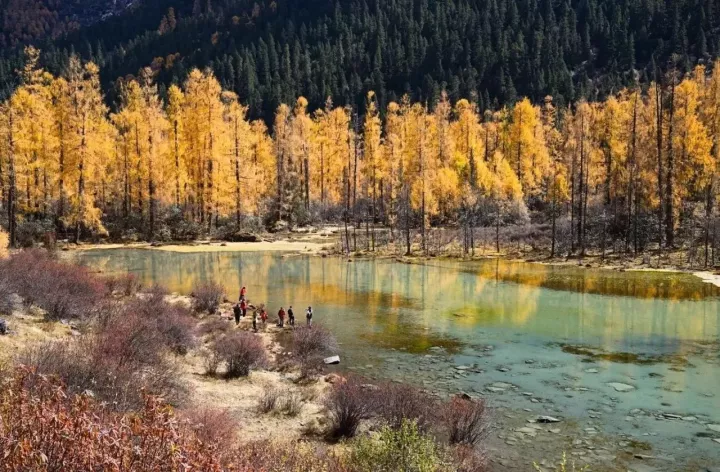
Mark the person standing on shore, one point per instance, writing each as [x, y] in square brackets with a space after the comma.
[243, 292]
[255, 316]
[237, 311]
[263, 315]
[281, 317]
[308, 316]
[243, 307]
[291, 316]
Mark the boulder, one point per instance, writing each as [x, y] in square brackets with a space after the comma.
[333, 360]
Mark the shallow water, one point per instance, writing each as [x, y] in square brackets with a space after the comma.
[555, 337]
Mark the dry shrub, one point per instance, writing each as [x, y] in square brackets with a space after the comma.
[60, 431]
[288, 457]
[64, 291]
[468, 459]
[129, 284]
[397, 402]
[214, 326]
[210, 360]
[207, 296]
[268, 400]
[211, 426]
[240, 352]
[465, 420]
[126, 353]
[310, 345]
[348, 403]
[125, 284]
[291, 403]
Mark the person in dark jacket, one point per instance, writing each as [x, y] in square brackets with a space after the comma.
[237, 311]
[291, 316]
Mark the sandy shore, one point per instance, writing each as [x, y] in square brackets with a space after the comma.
[284, 245]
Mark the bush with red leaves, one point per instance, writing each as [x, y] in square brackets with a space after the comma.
[240, 352]
[348, 403]
[310, 345]
[207, 296]
[63, 290]
[44, 428]
[397, 402]
[466, 420]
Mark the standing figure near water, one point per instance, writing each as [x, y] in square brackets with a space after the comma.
[291, 316]
[255, 317]
[281, 317]
[243, 308]
[263, 315]
[308, 316]
[243, 292]
[237, 311]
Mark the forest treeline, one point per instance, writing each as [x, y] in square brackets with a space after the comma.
[272, 51]
[628, 173]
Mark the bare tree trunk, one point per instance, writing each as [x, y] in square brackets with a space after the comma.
[669, 210]
[659, 141]
[12, 189]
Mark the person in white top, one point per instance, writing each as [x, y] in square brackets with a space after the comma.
[308, 316]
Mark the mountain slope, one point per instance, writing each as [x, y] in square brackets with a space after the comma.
[494, 50]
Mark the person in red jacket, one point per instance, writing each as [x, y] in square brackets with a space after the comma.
[243, 292]
[281, 317]
[243, 308]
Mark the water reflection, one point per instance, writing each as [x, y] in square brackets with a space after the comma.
[450, 300]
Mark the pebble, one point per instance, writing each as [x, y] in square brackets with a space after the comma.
[592, 371]
[714, 427]
[717, 440]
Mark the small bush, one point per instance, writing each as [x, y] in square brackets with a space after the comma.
[397, 402]
[214, 326]
[240, 352]
[466, 420]
[291, 403]
[468, 459]
[211, 426]
[173, 323]
[211, 361]
[404, 449]
[268, 400]
[348, 403]
[207, 297]
[310, 345]
[129, 284]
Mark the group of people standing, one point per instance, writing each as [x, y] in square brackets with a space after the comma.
[240, 311]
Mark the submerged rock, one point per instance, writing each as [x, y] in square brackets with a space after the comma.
[621, 387]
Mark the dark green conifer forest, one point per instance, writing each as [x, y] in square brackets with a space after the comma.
[271, 52]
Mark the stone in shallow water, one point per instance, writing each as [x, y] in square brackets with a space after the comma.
[714, 427]
[621, 387]
[592, 371]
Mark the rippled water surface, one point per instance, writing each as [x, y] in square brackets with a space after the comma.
[556, 338]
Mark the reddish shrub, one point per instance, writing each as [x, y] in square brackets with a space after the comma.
[44, 428]
[348, 403]
[126, 284]
[63, 290]
[310, 345]
[207, 296]
[172, 322]
[396, 402]
[211, 426]
[466, 420]
[468, 459]
[240, 352]
[214, 326]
